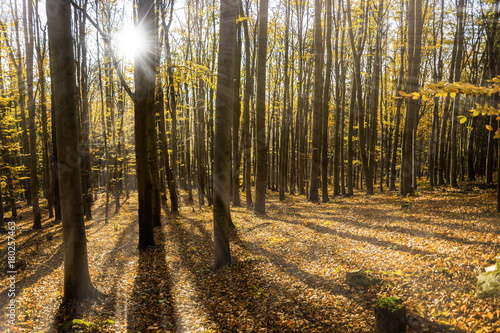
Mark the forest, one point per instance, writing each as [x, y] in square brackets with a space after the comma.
[250, 166]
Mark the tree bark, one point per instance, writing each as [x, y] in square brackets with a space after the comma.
[260, 113]
[459, 40]
[222, 135]
[77, 283]
[317, 106]
[326, 103]
[414, 57]
[144, 110]
[29, 40]
[285, 118]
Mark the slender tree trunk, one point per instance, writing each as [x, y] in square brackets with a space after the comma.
[174, 201]
[29, 40]
[326, 104]
[55, 166]
[260, 113]
[317, 106]
[105, 105]
[459, 40]
[144, 110]
[350, 144]
[236, 155]
[222, 135]
[85, 120]
[247, 139]
[21, 86]
[41, 56]
[339, 106]
[170, 175]
[414, 57]
[153, 165]
[285, 119]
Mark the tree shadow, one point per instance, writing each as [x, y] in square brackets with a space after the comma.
[360, 238]
[241, 298]
[107, 301]
[418, 323]
[44, 269]
[151, 306]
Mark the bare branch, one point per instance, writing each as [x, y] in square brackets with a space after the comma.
[107, 41]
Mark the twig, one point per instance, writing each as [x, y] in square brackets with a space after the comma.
[107, 41]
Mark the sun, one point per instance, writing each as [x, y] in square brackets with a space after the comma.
[131, 42]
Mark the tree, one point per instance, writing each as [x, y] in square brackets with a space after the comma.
[77, 283]
[458, 50]
[260, 112]
[222, 135]
[285, 119]
[414, 57]
[85, 115]
[317, 105]
[326, 103]
[248, 92]
[144, 112]
[29, 39]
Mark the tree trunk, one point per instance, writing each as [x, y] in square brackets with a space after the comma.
[414, 57]
[29, 37]
[41, 56]
[174, 201]
[236, 155]
[326, 104]
[249, 85]
[85, 120]
[285, 119]
[317, 106]
[77, 283]
[260, 112]
[144, 110]
[222, 135]
[457, 59]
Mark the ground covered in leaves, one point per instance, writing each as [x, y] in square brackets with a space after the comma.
[293, 268]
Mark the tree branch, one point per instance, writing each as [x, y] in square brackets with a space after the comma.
[107, 41]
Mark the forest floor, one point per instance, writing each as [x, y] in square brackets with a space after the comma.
[289, 271]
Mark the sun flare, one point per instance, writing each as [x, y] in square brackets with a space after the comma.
[131, 43]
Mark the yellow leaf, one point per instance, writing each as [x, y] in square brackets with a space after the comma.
[463, 120]
[402, 93]
[453, 94]
[489, 128]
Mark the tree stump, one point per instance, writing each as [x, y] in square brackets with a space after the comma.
[390, 315]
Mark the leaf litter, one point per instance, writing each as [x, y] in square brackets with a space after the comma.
[290, 269]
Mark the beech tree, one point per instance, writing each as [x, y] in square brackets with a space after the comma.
[77, 283]
[415, 22]
[222, 134]
[260, 112]
[317, 106]
[144, 129]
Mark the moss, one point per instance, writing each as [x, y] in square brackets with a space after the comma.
[392, 303]
[488, 284]
[69, 324]
[360, 279]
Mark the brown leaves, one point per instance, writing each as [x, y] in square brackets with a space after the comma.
[290, 268]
